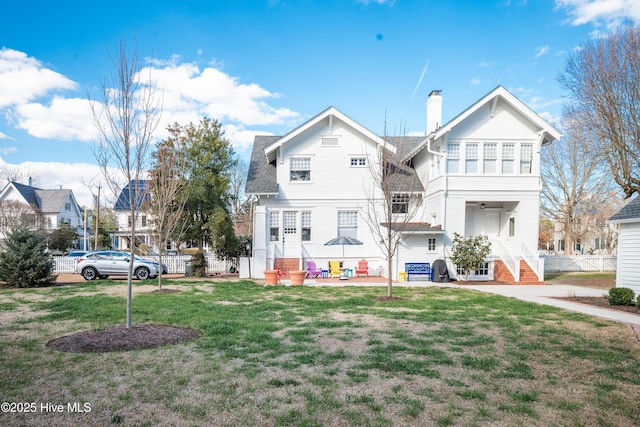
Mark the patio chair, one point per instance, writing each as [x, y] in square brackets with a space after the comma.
[363, 268]
[334, 269]
[313, 270]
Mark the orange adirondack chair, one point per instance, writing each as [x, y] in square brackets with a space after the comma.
[363, 268]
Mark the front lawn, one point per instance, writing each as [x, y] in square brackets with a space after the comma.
[304, 356]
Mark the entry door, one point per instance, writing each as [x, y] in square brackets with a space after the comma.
[291, 235]
[492, 224]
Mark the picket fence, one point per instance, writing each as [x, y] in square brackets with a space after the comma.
[557, 263]
[175, 264]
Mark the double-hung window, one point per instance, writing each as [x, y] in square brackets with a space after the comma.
[400, 203]
[471, 161]
[300, 169]
[526, 156]
[490, 154]
[305, 225]
[274, 226]
[508, 158]
[348, 224]
[453, 158]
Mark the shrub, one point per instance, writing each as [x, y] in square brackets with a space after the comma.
[621, 296]
[25, 263]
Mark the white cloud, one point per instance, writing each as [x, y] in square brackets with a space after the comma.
[64, 118]
[485, 64]
[23, 78]
[476, 81]
[541, 51]
[611, 13]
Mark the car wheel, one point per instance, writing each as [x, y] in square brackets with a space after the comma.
[142, 273]
[89, 273]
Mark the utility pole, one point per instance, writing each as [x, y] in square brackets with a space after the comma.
[95, 240]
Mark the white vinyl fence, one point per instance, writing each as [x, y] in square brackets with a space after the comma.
[579, 263]
[175, 263]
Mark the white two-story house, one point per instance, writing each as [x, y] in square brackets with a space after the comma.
[42, 209]
[478, 174]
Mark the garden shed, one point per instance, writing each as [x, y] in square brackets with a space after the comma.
[628, 268]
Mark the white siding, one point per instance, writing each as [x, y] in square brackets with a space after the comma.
[628, 273]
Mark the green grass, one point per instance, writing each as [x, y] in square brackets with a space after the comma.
[320, 356]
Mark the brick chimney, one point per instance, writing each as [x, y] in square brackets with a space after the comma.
[434, 111]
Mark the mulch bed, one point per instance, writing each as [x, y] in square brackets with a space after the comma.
[121, 338]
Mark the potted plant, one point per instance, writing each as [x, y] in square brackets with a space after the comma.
[297, 277]
[271, 277]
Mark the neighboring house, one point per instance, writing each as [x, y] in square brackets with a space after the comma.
[45, 209]
[628, 268]
[138, 191]
[477, 174]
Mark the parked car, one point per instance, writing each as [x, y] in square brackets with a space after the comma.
[76, 254]
[102, 264]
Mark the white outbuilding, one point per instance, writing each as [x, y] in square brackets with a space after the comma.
[628, 269]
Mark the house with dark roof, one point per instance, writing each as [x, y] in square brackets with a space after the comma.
[477, 174]
[628, 269]
[136, 192]
[45, 209]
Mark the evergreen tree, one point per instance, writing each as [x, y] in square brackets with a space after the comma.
[26, 263]
[470, 253]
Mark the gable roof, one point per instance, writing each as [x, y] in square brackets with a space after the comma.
[261, 178]
[142, 185]
[548, 133]
[43, 201]
[629, 213]
[331, 112]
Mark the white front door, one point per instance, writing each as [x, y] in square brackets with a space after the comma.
[291, 235]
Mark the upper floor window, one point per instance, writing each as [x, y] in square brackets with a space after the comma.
[348, 224]
[300, 169]
[526, 156]
[508, 158]
[453, 158]
[471, 162]
[67, 206]
[490, 154]
[358, 161]
[400, 203]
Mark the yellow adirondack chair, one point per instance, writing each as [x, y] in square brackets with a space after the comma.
[334, 269]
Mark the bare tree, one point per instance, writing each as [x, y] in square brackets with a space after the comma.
[166, 204]
[393, 201]
[572, 175]
[126, 118]
[602, 79]
[17, 173]
[15, 214]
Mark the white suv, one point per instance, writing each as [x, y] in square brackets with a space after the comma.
[102, 264]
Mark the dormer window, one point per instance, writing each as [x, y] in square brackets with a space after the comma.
[300, 169]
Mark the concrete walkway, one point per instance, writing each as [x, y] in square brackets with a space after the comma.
[541, 294]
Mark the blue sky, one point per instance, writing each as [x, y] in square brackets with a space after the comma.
[266, 66]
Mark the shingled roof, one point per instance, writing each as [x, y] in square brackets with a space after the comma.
[629, 213]
[44, 201]
[142, 196]
[261, 178]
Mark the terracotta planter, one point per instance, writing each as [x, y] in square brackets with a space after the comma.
[271, 277]
[297, 277]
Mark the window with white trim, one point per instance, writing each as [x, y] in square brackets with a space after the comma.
[274, 226]
[358, 162]
[526, 156]
[508, 158]
[431, 244]
[305, 225]
[490, 157]
[453, 158]
[471, 159]
[348, 224]
[399, 203]
[300, 169]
